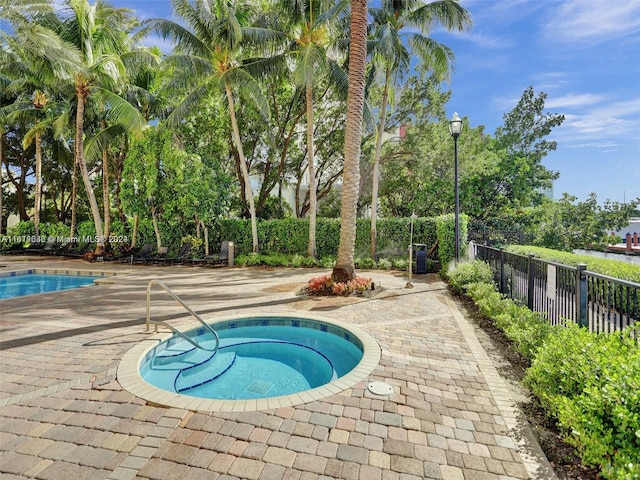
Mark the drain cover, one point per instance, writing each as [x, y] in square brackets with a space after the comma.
[259, 387]
[380, 388]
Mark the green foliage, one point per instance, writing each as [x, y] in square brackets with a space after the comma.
[445, 230]
[526, 329]
[565, 224]
[470, 272]
[276, 260]
[291, 235]
[591, 383]
[385, 264]
[365, 263]
[604, 266]
[197, 247]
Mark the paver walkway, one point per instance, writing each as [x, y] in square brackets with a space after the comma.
[64, 415]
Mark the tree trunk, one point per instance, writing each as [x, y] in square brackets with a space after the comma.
[81, 93]
[376, 167]
[74, 198]
[311, 249]
[243, 168]
[38, 193]
[105, 189]
[134, 234]
[345, 269]
[156, 229]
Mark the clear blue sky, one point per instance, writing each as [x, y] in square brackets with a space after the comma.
[582, 53]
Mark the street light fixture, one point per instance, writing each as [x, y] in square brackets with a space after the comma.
[455, 127]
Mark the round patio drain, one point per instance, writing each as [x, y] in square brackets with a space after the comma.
[380, 388]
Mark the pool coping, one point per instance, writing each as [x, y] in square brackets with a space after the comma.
[128, 374]
[57, 271]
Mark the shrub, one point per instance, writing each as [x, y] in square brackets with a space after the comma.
[401, 263]
[591, 383]
[365, 263]
[324, 285]
[385, 264]
[328, 262]
[470, 272]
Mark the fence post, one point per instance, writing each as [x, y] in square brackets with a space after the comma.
[531, 283]
[581, 295]
[501, 269]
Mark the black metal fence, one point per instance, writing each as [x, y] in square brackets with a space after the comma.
[561, 292]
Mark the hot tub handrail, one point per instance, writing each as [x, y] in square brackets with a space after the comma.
[175, 330]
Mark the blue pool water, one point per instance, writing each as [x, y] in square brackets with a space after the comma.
[253, 361]
[32, 283]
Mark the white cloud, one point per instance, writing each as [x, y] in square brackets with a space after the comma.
[572, 100]
[603, 125]
[593, 20]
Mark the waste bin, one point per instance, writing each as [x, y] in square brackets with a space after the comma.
[421, 257]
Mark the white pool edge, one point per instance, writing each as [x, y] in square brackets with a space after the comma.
[128, 374]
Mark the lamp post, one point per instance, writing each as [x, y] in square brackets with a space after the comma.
[455, 127]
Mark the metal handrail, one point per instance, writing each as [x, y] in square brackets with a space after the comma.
[175, 330]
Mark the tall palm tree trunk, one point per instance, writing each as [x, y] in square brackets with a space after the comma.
[311, 249]
[74, 198]
[105, 189]
[38, 193]
[345, 269]
[243, 168]
[376, 167]
[81, 94]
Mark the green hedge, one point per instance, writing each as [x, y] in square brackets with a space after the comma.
[589, 382]
[290, 236]
[604, 266]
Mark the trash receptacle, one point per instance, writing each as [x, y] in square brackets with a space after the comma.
[421, 258]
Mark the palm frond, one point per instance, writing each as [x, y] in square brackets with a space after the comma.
[95, 145]
[119, 111]
[338, 78]
[309, 59]
[185, 107]
[436, 56]
[448, 13]
[186, 41]
[248, 89]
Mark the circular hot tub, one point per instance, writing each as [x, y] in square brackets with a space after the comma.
[259, 362]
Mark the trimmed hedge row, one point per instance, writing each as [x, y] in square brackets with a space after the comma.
[290, 236]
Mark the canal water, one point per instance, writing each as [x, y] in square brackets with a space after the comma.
[634, 259]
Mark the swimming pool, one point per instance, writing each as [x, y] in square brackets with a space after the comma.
[261, 361]
[30, 283]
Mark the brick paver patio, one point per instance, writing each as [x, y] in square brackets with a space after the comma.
[65, 416]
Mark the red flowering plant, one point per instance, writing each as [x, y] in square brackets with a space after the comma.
[324, 285]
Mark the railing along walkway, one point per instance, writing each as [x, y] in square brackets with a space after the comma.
[562, 292]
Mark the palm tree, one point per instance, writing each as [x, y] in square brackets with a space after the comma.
[310, 27]
[101, 33]
[344, 269]
[413, 19]
[34, 78]
[218, 49]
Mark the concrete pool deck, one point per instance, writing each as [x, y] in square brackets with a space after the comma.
[65, 415]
